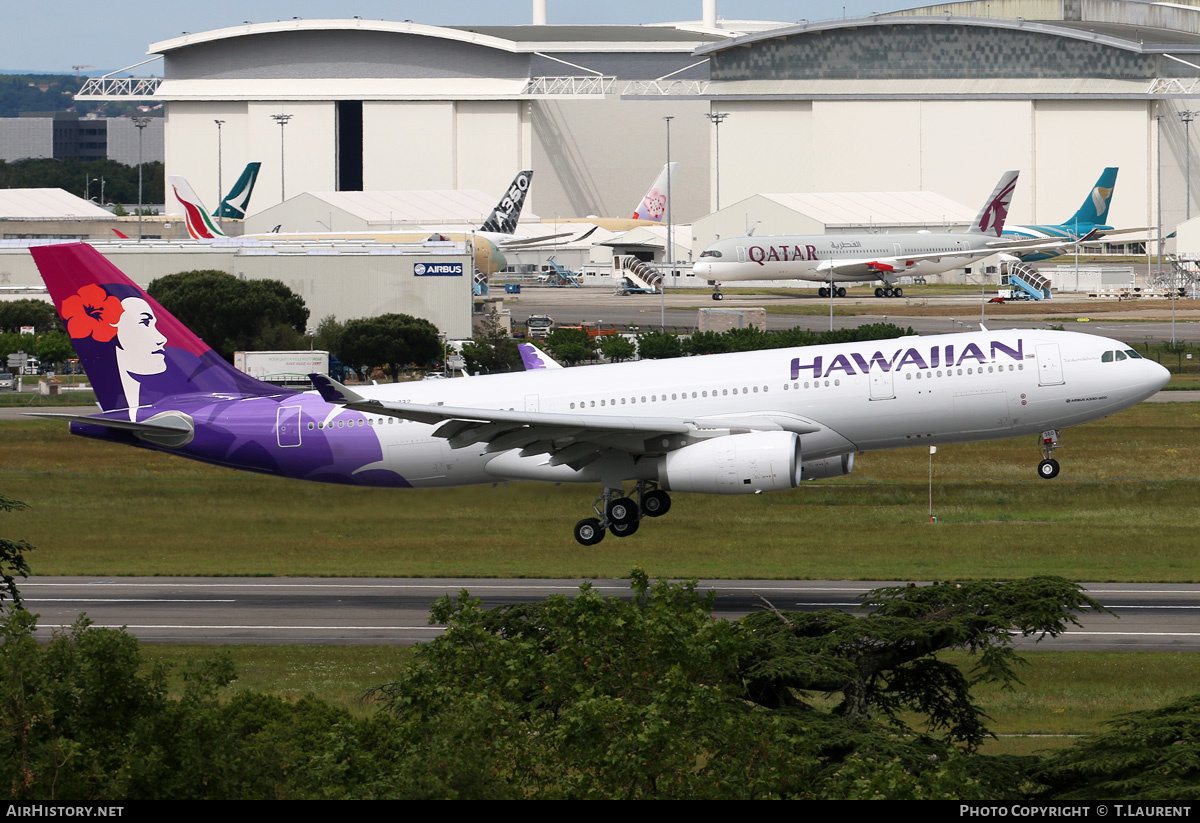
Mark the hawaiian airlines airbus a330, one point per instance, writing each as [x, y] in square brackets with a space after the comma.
[723, 424]
[841, 258]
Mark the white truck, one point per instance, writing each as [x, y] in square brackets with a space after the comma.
[284, 368]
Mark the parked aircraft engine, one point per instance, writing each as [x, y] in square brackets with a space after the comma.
[739, 464]
[834, 466]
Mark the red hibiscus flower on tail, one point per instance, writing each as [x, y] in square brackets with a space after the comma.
[92, 312]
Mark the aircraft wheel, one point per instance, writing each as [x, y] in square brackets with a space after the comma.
[887, 291]
[622, 510]
[718, 296]
[656, 503]
[822, 292]
[623, 529]
[841, 292]
[1048, 469]
[879, 292]
[897, 292]
[588, 531]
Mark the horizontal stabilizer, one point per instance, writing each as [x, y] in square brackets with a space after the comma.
[166, 429]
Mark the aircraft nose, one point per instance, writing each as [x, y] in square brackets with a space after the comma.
[1158, 376]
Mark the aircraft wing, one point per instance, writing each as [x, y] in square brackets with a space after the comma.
[572, 439]
[545, 238]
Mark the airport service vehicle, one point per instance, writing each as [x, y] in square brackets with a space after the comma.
[741, 423]
[834, 258]
[7, 381]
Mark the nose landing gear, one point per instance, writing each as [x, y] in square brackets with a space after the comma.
[1048, 468]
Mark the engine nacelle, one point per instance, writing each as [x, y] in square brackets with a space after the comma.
[889, 265]
[835, 466]
[736, 464]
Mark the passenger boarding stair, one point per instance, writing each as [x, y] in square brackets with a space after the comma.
[639, 274]
[1024, 278]
[560, 275]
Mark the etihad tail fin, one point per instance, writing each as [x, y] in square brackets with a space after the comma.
[653, 205]
[991, 217]
[135, 353]
[1094, 211]
[503, 219]
[238, 200]
[199, 225]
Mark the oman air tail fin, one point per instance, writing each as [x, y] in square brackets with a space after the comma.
[238, 200]
[653, 206]
[134, 352]
[199, 225]
[991, 217]
[503, 219]
[1094, 211]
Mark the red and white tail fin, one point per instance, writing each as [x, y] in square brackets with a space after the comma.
[200, 226]
[653, 205]
[991, 217]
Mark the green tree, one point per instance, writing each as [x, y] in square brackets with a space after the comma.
[570, 345]
[491, 349]
[53, 347]
[706, 342]
[231, 314]
[617, 348]
[37, 313]
[391, 342]
[885, 664]
[1150, 756]
[658, 345]
[12, 557]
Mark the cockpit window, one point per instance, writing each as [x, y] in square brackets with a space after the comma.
[710, 253]
[1121, 356]
[1133, 354]
[1107, 357]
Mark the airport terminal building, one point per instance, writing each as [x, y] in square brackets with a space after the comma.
[939, 98]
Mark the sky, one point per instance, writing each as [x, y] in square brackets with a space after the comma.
[54, 35]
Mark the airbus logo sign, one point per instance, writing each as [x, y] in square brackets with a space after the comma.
[438, 269]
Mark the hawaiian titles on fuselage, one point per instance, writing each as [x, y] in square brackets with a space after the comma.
[935, 357]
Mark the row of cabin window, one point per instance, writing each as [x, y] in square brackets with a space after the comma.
[951, 373]
[352, 423]
[654, 398]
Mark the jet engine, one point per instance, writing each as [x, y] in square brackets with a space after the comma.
[735, 464]
[835, 466]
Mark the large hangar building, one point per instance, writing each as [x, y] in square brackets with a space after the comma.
[939, 98]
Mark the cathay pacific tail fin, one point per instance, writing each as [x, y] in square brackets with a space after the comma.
[238, 200]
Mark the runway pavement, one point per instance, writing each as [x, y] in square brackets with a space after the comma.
[373, 611]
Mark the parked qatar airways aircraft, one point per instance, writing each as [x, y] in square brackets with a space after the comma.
[839, 258]
[723, 424]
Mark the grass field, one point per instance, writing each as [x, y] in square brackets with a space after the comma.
[1124, 508]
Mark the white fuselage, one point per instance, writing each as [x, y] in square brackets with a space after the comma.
[838, 258]
[881, 394]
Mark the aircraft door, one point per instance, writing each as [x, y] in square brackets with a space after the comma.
[883, 383]
[741, 253]
[287, 427]
[1049, 360]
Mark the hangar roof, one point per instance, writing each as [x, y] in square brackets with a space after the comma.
[878, 208]
[46, 203]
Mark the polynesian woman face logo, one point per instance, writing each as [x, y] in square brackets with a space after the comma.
[95, 313]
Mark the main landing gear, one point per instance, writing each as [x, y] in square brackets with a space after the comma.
[620, 514]
[889, 291]
[1048, 468]
[717, 292]
[839, 291]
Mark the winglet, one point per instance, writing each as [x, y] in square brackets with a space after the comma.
[332, 391]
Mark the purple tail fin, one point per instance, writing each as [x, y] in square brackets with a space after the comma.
[134, 352]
